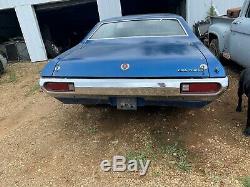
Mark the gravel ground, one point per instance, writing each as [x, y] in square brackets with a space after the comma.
[46, 143]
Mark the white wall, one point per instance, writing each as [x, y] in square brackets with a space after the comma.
[14, 3]
[30, 28]
[109, 8]
[198, 9]
[28, 22]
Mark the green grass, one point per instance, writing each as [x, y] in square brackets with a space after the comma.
[143, 154]
[157, 174]
[246, 181]
[92, 130]
[180, 156]
[9, 77]
[12, 77]
[33, 90]
[137, 155]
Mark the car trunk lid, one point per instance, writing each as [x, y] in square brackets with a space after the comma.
[134, 58]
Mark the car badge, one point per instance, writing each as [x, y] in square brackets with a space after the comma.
[57, 68]
[125, 67]
[203, 67]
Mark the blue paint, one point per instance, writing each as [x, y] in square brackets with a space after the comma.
[149, 57]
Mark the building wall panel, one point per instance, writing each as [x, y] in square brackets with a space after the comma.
[28, 22]
[13, 3]
[198, 9]
[109, 8]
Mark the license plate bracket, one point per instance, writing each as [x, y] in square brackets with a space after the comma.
[126, 103]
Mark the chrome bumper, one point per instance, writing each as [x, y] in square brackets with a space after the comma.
[146, 88]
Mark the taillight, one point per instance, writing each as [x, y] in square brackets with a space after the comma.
[200, 88]
[59, 87]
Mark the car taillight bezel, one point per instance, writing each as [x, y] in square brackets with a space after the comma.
[200, 88]
[59, 86]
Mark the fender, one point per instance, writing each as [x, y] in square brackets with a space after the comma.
[222, 31]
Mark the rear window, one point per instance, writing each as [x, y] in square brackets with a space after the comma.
[139, 28]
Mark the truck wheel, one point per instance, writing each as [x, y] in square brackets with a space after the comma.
[214, 48]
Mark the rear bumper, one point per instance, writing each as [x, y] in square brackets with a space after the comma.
[104, 90]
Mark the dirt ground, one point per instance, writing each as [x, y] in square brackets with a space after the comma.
[46, 143]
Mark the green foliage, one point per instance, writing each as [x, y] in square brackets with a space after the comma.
[246, 181]
[143, 154]
[12, 77]
[92, 130]
[211, 11]
[33, 90]
[137, 155]
[180, 155]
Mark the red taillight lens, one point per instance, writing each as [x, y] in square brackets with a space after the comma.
[200, 88]
[59, 87]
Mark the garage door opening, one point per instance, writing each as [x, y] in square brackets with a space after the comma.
[12, 45]
[131, 7]
[65, 24]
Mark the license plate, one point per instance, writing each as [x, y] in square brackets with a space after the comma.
[127, 103]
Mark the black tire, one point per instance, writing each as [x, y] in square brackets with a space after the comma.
[52, 49]
[2, 60]
[1, 68]
[214, 48]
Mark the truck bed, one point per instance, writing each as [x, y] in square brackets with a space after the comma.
[222, 19]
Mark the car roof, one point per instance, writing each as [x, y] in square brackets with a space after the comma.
[143, 16]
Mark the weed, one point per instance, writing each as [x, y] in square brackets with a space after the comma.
[246, 181]
[157, 174]
[143, 154]
[12, 77]
[92, 130]
[33, 90]
[180, 155]
[137, 155]
[184, 165]
[8, 77]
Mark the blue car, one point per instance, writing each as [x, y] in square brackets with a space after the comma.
[134, 61]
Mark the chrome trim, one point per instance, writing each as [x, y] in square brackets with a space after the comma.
[138, 37]
[166, 88]
[139, 19]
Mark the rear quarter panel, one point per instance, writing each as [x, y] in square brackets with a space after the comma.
[216, 70]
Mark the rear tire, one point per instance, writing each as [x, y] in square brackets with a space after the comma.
[52, 50]
[1, 68]
[3, 62]
[214, 48]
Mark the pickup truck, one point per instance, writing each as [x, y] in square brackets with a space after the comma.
[230, 37]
